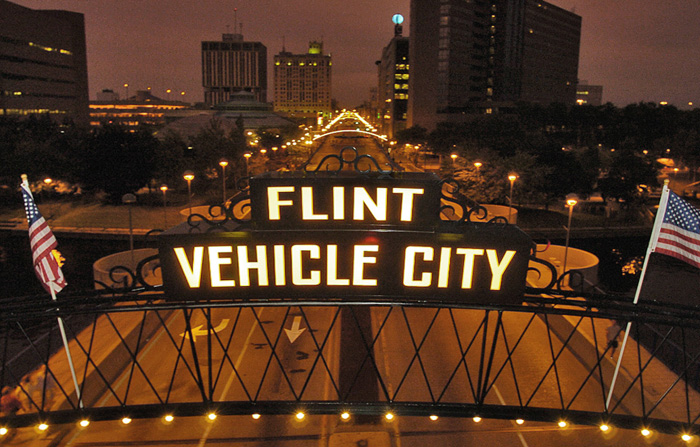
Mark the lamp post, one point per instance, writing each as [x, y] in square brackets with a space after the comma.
[126, 87]
[247, 156]
[512, 178]
[189, 176]
[571, 201]
[129, 199]
[453, 157]
[164, 188]
[223, 163]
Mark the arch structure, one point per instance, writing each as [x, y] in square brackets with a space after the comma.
[136, 353]
[351, 131]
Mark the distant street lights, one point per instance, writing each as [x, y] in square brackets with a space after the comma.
[164, 188]
[189, 176]
[511, 178]
[129, 199]
[247, 156]
[571, 201]
[223, 163]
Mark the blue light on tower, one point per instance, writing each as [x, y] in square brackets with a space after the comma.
[397, 19]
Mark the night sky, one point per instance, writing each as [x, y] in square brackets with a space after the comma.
[639, 50]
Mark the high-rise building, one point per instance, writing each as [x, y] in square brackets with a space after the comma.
[303, 82]
[233, 65]
[392, 90]
[588, 94]
[43, 66]
[474, 56]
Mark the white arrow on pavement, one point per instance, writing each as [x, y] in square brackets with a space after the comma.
[294, 332]
[198, 330]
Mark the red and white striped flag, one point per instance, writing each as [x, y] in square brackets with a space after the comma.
[678, 234]
[43, 242]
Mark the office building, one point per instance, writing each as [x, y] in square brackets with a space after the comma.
[233, 65]
[470, 57]
[303, 82]
[392, 90]
[43, 66]
[588, 94]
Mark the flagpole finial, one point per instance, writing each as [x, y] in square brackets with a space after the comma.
[24, 177]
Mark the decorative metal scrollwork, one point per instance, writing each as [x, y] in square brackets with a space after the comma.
[575, 281]
[219, 215]
[124, 280]
[337, 162]
[463, 208]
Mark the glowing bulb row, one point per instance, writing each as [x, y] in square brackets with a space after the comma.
[389, 416]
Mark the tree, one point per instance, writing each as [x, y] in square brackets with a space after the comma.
[118, 161]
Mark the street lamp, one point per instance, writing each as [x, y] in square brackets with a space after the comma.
[189, 176]
[453, 157]
[129, 199]
[126, 86]
[164, 188]
[223, 163]
[571, 201]
[512, 178]
[247, 156]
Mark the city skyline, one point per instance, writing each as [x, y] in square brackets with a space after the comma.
[638, 51]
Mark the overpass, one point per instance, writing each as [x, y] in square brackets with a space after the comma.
[543, 365]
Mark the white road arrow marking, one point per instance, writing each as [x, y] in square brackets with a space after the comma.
[294, 332]
[198, 330]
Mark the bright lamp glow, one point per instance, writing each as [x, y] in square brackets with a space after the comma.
[300, 415]
[476, 419]
[3, 431]
[126, 420]
[562, 424]
[604, 427]
[520, 421]
[255, 416]
[211, 416]
[345, 415]
[168, 418]
[686, 437]
[389, 416]
[433, 417]
[84, 423]
[43, 426]
[646, 432]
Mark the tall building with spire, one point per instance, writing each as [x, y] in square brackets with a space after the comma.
[233, 65]
[392, 91]
[303, 82]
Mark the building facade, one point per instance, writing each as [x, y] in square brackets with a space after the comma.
[140, 109]
[303, 82]
[588, 94]
[392, 90]
[233, 65]
[43, 64]
[470, 57]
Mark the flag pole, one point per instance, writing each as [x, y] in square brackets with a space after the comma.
[52, 285]
[650, 248]
[65, 346]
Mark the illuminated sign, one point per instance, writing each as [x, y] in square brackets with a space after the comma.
[345, 237]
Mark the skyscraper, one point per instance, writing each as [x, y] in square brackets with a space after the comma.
[303, 82]
[233, 65]
[43, 63]
[392, 90]
[473, 56]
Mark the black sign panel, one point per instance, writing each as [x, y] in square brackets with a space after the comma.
[345, 200]
[485, 264]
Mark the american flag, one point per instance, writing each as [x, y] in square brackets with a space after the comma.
[43, 242]
[679, 233]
